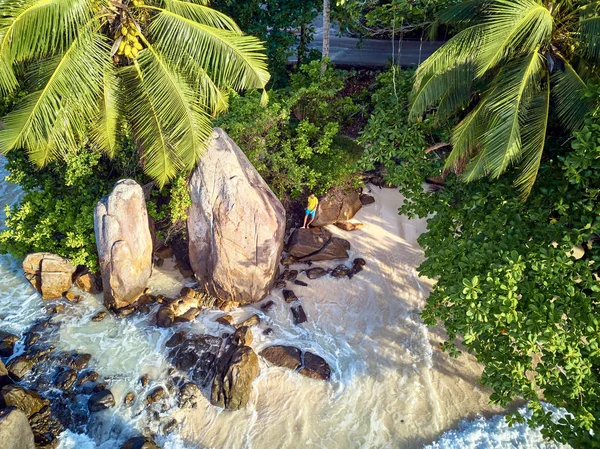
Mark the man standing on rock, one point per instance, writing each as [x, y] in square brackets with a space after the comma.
[311, 210]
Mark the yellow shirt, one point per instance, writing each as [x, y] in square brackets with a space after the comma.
[312, 203]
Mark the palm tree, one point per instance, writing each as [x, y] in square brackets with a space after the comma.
[90, 66]
[514, 62]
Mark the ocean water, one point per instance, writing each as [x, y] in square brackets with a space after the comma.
[390, 388]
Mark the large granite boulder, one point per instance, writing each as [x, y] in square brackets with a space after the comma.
[15, 432]
[316, 244]
[124, 244]
[338, 206]
[235, 225]
[236, 370]
[51, 275]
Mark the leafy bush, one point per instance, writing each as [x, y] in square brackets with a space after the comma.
[294, 142]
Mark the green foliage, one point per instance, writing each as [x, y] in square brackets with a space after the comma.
[294, 142]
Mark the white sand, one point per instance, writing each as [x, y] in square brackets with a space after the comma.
[391, 386]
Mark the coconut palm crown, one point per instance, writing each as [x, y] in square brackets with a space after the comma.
[514, 63]
[163, 67]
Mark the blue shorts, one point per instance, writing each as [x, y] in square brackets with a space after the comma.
[311, 213]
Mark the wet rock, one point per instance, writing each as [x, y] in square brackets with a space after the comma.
[280, 284]
[31, 338]
[357, 266]
[337, 207]
[51, 275]
[89, 282]
[348, 226]
[99, 387]
[170, 426]
[226, 320]
[126, 311]
[99, 316]
[189, 395]
[7, 343]
[289, 275]
[189, 315]
[315, 367]
[28, 401]
[340, 271]
[45, 427]
[128, 399]
[20, 366]
[226, 306]
[232, 384]
[197, 355]
[289, 296]
[156, 395]
[124, 244]
[366, 199]
[316, 273]
[242, 336]
[140, 443]
[4, 378]
[253, 320]
[165, 317]
[80, 361]
[101, 400]
[284, 356]
[55, 309]
[66, 379]
[182, 309]
[144, 380]
[88, 376]
[288, 260]
[176, 339]
[299, 315]
[229, 199]
[300, 283]
[15, 431]
[268, 331]
[267, 306]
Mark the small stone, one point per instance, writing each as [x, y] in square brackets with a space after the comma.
[66, 379]
[299, 315]
[316, 273]
[70, 296]
[99, 316]
[366, 199]
[289, 275]
[90, 283]
[165, 317]
[267, 306]
[242, 336]
[176, 339]
[31, 338]
[144, 380]
[300, 283]
[289, 260]
[101, 400]
[268, 331]
[189, 315]
[289, 296]
[347, 226]
[170, 426]
[88, 376]
[189, 395]
[188, 292]
[80, 361]
[156, 395]
[129, 398]
[253, 320]
[140, 443]
[280, 284]
[125, 311]
[340, 271]
[226, 320]
[357, 266]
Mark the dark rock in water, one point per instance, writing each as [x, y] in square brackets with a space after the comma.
[88, 376]
[253, 320]
[189, 395]
[225, 320]
[144, 380]
[165, 317]
[140, 443]
[288, 260]
[242, 336]
[189, 315]
[4, 378]
[45, 428]
[129, 398]
[66, 379]
[316, 273]
[316, 244]
[289, 275]
[232, 385]
[170, 426]
[340, 271]
[80, 361]
[267, 306]
[197, 355]
[337, 206]
[268, 331]
[28, 401]
[366, 199]
[99, 316]
[20, 366]
[315, 367]
[31, 338]
[99, 387]
[7, 343]
[280, 284]
[126, 311]
[156, 395]
[15, 431]
[299, 315]
[176, 339]
[300, 283]
[289, 296]
[101, 400]
[284, 356]
[51, 275]
[357, 266]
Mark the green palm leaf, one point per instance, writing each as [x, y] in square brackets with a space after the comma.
[567, 93]
[105, 131]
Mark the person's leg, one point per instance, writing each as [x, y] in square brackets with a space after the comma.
[305, 218]
[312, 218]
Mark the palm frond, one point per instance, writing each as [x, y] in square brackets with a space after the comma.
[8, 80]
[230, 58]
[466, 12]
[69, 96]
[40, 28]
[589, 37]
[513, 27]
[534, 127]
[440, 86]
[105, 131]
[567, 90]
[201, 14]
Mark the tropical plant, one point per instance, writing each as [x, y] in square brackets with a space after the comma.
[514, 63]
[93, 67]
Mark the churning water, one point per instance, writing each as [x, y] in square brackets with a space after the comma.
[390, 388]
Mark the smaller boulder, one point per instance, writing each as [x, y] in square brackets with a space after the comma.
[348, 226]
[99, 316]
[267, 306]
[225, 320]
[101, 400]
[300, 283]
[156, 395]
[253, 320]
[316, 273]
[315, 367]
[242, 336]
[51, 275]
[189, 395]
[129, 398]
[66, 379]
[7, 343]
[337, 206]
[28, 401]
[20, 366]
[232, 384]
[366, 199]
[299, 315]
[284, 356]
[357, 266]
[140, 443]
[89, 282]
[340, 271]
[289, 296]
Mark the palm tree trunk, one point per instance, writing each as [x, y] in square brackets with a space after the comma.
[326, 19]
